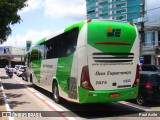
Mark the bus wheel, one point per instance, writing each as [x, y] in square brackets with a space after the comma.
[31, 80]
[56, 96]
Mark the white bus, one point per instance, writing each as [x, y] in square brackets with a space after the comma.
[88, 62]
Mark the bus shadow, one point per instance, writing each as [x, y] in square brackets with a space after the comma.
[95, 110]
[100, 110]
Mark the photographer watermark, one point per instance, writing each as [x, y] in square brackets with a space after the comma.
[21, 114]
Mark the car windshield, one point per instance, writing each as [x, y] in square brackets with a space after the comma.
[149, 68]
[17, 66]
[23, 68]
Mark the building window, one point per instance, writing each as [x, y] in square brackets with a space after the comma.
[149, 39]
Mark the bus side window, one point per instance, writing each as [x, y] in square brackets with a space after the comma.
[62, 45]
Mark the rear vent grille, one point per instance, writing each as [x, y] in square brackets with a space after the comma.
[113, 57]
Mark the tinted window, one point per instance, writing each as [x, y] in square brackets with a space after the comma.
[62, 45]
[35, 53]
[149, 68]
[59, 46]
[23, 67]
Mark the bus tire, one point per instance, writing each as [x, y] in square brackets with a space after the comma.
[30, 77]
[31, 80]
[56, 97]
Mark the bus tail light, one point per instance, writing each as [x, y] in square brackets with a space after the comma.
[88, 21]
[85, 79]
[132, 23]
[136, 82]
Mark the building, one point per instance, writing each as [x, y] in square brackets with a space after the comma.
[11, 56]
[151, 43]
[125, 10]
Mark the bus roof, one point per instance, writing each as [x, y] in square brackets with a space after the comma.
[78, 24]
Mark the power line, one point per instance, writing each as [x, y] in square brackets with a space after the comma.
[153, 9]
[153, 20]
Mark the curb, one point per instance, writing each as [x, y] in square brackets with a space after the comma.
[5, 100]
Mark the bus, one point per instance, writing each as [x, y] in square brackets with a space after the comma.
[91, 61]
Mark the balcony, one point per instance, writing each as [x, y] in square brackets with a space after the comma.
[151, 44]
[149, 47]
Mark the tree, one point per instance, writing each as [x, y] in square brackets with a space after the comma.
[9, 16]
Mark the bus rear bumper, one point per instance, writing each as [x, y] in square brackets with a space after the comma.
[104, 96]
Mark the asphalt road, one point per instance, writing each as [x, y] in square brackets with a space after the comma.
[29, 103]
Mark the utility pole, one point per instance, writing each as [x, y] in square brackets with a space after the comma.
[142, 27]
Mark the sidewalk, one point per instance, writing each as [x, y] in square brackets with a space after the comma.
[2, 102]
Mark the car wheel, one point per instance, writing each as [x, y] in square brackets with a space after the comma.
[56, 96]
[140, 100]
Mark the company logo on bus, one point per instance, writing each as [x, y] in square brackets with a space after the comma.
[112, 32]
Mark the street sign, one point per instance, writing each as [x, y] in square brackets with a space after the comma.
[28, 45]
[141, 59]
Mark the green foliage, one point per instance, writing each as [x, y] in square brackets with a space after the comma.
[36, 55]
[9, 16]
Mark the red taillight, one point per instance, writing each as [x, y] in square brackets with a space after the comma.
[132, 23]
[148, 85]
[85, 79]
[89, 21]
[136, 82]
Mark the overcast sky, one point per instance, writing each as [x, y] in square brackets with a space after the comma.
[44, 17]
[153, 14]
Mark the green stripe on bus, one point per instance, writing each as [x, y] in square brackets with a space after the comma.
[41, 41]
[65, 64]
[36, 66]
[103, 96]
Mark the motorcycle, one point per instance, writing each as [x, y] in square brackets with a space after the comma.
[9, 72]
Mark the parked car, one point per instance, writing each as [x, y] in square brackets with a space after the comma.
[148, 67]
[158, 66]
[149, 87]
[16, 68]
[21, 70]
[25, 75]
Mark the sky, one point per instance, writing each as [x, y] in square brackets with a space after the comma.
[44, 17]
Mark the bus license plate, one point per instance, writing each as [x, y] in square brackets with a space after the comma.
[113, 95]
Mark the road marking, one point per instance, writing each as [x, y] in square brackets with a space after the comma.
[40, 96]
[5, 100]
[134, 105]
[48, 103]
[31, 90]
[53, 106]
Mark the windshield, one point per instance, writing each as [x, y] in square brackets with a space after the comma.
[149, 68]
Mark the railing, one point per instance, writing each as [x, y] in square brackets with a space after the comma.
[151, 44]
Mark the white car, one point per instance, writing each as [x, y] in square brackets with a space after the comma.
[16, 68]
[21, 70]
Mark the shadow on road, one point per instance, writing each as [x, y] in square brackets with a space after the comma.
[14, 104]
[96, 110]
[9, 86]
